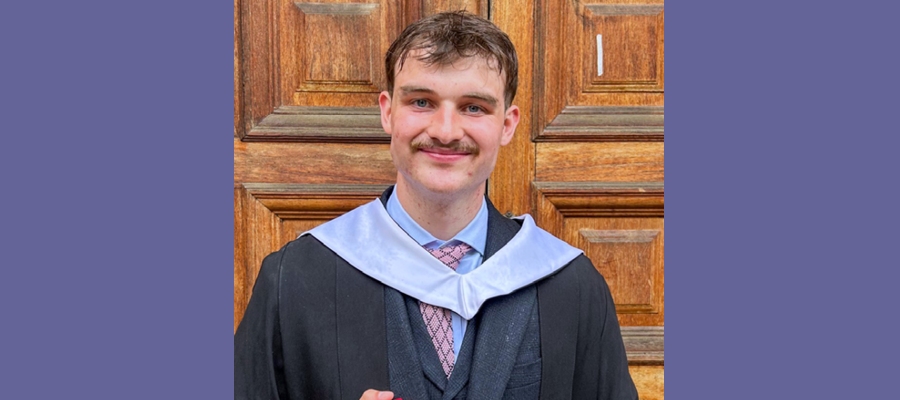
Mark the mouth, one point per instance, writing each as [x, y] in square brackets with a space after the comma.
[444, 154]
[441, 153]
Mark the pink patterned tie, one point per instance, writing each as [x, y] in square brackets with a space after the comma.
[437, 319]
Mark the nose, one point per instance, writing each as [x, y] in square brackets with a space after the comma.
[446, 126]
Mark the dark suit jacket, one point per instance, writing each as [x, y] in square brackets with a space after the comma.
[315, 329]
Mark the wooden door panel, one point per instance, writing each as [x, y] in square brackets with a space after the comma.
[600, 162]
[272, 214]
[582, 94]
[605, 124]
[479, 7]
[620, 228]
[312, 163]
[311, 71]
[630, 39]
[650, 381]
[597, 135]
[330, 50]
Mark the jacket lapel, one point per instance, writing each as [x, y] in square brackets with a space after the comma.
[559, 329]
[460, 376]
[501, 329]
[428, 358]
[403, 357]
[500, 230]
[361, 335]
[501, 324]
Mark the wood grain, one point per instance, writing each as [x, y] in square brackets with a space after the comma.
[260, 234]
[238, 112]
[331, 53]
[312, 201]
[321, 125]
[644, 345]
[566, 70]
[620, 227]
[606, 124]
[633, 267]
[313, 163]
[269, 215]
[302, 207]
[478, 7]
[343, 55]
[283, 59]
[603, 199]
[649, 380]
[611, 162]
[632, 47]
[510, 184]
[240, 270]
[587, 158]
[258, 83]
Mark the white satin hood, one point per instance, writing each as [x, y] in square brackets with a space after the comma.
[369, 240]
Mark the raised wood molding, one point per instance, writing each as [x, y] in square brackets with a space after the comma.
[238, 75]
[619, 20]
[605, 124]
[336, 8]
[625, 9]
[430, 7]
[602, 199]
[241, 282]
[509, 186]
[263, 213]
[644, 345]
[312, 201]
[637, 241]
[619, 236]
[573, 211]
[567, 87]
[277, 102]
[320, 124]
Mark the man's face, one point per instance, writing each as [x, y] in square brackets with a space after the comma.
[447, 123]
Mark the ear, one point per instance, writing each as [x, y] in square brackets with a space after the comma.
[510, 121]
[384, 100]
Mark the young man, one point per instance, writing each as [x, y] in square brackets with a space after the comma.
[429, 292]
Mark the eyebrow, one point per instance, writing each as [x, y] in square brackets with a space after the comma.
[405, 90]
[416, 89]
[483, 97]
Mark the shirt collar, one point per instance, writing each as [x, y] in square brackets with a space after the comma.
[474, 234]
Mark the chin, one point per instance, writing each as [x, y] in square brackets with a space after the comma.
[448, 186]
[444, 187]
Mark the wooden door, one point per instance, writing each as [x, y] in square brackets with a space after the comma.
[586, 161]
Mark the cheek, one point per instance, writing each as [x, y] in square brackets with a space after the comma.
[488, 141]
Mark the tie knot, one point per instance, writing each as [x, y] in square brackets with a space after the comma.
[450, 255]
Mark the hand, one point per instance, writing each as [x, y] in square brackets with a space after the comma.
[373, 394]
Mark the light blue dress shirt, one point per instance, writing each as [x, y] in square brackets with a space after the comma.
[474, 234]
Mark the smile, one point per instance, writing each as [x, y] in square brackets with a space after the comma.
[444, 155]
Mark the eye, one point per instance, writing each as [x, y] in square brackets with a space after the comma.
[420, 103]
[474, 109]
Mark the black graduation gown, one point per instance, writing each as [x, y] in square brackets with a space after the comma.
[315, 328]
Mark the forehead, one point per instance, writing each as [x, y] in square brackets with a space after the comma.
[475, 71]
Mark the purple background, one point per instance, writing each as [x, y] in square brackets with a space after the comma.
[116, 224]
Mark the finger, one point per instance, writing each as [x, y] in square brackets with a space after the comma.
[373, 394]
[385, 395]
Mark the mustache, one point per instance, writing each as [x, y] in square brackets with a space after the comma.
[457, 146]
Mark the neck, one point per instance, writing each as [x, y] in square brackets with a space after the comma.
[442, 216]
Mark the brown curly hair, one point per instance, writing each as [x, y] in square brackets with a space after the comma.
[449, 36]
